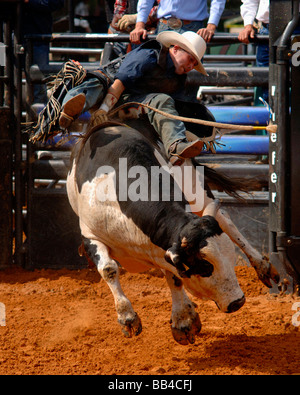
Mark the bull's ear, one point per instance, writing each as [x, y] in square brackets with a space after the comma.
[203, 268]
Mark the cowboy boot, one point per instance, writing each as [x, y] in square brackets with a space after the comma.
[72, 108]
[183, 149]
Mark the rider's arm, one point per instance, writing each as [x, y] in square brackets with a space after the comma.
[112, 96]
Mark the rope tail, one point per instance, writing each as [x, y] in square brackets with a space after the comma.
[249, 128]
[72, 74]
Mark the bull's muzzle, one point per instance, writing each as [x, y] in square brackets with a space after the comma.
[236, 305]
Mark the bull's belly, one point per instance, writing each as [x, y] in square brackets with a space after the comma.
[135, 257]
[105, 222]
[133, 265]
[127, 244]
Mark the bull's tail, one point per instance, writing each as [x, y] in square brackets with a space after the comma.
[233, 187]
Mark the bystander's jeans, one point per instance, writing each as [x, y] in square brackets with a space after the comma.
[194, 26]
[262, 59]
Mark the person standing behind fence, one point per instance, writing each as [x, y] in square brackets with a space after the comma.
[124, 19]
[179, 16]
[81, 20]
[121, 7]
[37, 19]
[259, 10]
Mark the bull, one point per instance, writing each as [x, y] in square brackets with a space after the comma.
[194, 250]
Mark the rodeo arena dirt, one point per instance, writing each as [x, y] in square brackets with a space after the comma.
[63, 322]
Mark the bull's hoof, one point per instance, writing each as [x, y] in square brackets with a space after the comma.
[186, 335]
[131, 327]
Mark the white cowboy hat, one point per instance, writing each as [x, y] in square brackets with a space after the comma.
[189, 41]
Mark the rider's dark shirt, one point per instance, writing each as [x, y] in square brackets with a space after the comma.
[149, 69]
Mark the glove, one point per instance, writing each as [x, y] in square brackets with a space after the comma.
[127, 22]
[98, 117]
[114, 22]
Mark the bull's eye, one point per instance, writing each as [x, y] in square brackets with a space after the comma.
[203, 268]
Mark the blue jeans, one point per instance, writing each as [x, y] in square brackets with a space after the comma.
[262, 59]
[193, 26]
[169, 130]
[262, 54]
[94, 93]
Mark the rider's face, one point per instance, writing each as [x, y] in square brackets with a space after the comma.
[183, 61]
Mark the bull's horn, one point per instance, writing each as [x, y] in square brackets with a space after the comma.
[184, 242]
[212, 208]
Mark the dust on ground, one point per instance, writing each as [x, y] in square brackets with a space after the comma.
[64, 322]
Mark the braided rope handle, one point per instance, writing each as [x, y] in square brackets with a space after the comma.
[269, 128]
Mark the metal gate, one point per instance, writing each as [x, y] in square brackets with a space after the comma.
[284, 185]
[11, 222]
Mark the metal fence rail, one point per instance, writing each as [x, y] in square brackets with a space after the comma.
[218, 38]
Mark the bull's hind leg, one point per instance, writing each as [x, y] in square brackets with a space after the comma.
[109, 271]
[264, 269]
[185, 321]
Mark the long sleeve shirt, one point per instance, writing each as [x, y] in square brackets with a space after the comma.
[122, 6]
[255, 9]
[193, 10]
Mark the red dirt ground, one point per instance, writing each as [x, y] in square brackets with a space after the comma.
[64, 322]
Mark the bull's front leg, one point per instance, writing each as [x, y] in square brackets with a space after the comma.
[264, 269]
[109, 271]
[185, 321]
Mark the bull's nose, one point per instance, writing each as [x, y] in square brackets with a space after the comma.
[236, 305]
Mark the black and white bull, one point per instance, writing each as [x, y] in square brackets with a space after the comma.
[195, 251]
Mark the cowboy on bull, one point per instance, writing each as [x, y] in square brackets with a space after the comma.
[154, 73]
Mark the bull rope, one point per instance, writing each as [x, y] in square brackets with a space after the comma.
[249, 128]
[209, 142]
